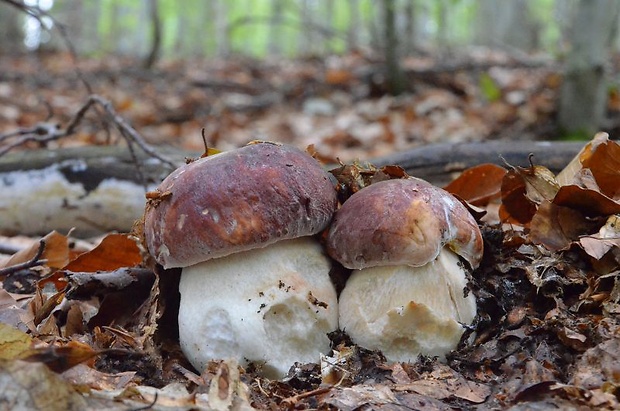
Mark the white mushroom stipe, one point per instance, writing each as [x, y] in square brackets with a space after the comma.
[408, 310]
[272, 306]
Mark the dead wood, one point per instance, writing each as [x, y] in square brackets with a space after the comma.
[440, 163]
[88, 174]
[437, 163]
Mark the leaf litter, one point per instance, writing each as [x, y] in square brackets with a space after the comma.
[98, 323]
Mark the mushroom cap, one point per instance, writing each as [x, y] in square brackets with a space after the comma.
[402, 222]
[236, 201]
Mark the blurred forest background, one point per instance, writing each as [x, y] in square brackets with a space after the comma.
[358, 77]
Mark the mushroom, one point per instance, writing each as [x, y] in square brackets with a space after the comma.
[254, 285]
[408, 292]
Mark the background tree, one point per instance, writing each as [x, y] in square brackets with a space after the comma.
[153, 9]
[11, 33]
[394, 75]
[584, 91]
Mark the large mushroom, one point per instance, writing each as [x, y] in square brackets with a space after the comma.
[410, 245]
[254, 285]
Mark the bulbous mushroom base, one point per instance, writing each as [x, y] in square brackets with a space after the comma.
[405, 311]
[273, 306]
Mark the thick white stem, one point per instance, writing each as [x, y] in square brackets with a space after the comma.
[405, 311]
[273, 306]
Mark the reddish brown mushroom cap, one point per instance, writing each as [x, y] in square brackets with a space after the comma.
[235, 201]
[402, 222]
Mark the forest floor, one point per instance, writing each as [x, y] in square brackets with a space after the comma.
[337, 104]
[83, 325]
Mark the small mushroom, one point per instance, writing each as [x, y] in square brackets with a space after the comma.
[408, 294]
[254, 285]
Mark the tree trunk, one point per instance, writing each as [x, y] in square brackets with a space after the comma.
[443, 43]
[153, 56]
[506, 25]
[306, 38]
[11, 33]
[409, 44]
[274, 47]
[394, 75]
[353, 31]
[222, 40]
[583, 96]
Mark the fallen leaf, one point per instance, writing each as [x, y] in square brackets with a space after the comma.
[13, 342]
[84, 376]
[478, 185]
[598, 365]
[359, 396]
[115, 251]
[604, 163]
[556, 227]
[515, 207]
[608, 237]
[32, 386]
[61, 358]
[13, 314]
[573, 339]
[590, 202]
[56, 252]
[540, 184]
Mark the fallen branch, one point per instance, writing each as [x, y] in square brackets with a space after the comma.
[97, 189]
[45, 132]
[33, 262]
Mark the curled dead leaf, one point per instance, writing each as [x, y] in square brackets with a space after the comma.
[478, 185]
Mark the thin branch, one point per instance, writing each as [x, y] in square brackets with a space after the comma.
[129, 132]
[45, 132]
[33, 262]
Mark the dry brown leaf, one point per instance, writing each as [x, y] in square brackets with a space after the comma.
[556, 227]
[115, 251]
[85, 376]
[32, 386]
[56, 252]
[540, 184]
[358, 396]
[604, 163]
[598, 365]
[608, 237]
[601, 157]
[449, 387]
[478, 185]
[515, 207]
[339, 77]
[14, 314]
[13, 342]
[573, 339]
[61, 358]
[589, 202]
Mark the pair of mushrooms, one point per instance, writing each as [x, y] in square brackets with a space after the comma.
[255, 282]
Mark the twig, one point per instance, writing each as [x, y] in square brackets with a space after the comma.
[292, 401]
[33, 262]
[129, 132]
[46, 132]
[149, 406]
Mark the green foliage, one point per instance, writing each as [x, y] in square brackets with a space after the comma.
[489, 89]
[189, 27]
[575, 135]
